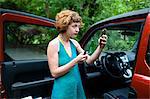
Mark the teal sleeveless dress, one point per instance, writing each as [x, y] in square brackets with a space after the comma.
[68, 86]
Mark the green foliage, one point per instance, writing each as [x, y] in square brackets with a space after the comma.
[27, 34]
[90, 10]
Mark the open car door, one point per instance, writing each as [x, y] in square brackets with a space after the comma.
[23, 60]
[127, 49]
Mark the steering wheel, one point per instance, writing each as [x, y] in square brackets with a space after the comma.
[117, 65]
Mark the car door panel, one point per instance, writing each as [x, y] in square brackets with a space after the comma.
[26, 75]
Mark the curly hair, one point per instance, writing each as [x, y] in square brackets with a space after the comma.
[65, 18]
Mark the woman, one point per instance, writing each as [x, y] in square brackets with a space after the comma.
[63, 59]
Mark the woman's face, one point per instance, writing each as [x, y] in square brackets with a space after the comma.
[73, 29]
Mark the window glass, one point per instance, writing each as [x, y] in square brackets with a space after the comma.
[26, 41]
[116, 41]
[120, 38]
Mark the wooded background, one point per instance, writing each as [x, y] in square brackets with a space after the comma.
[90, 10]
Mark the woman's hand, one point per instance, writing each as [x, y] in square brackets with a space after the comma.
[81, 57]
[102, 41]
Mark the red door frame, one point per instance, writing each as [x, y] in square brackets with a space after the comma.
[141, 78]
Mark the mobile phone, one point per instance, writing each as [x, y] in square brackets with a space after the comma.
[104, 32]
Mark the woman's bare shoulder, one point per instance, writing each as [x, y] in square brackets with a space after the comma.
[53, 44]
[54, 41]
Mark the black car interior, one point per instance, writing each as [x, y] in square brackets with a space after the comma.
[27, 78]
[111, 74]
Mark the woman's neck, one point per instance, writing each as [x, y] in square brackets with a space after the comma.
[64, 37]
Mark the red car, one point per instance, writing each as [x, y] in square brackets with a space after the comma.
[121, 71]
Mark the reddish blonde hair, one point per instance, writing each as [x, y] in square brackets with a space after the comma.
[65, 18]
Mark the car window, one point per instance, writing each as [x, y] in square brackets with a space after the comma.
[26, 41]
[120, 38]
[116, 41]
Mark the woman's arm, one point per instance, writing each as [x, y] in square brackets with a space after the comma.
[96, 54]
[52, 54]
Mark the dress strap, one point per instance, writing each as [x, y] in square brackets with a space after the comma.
[60, 40]
[73, 43]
